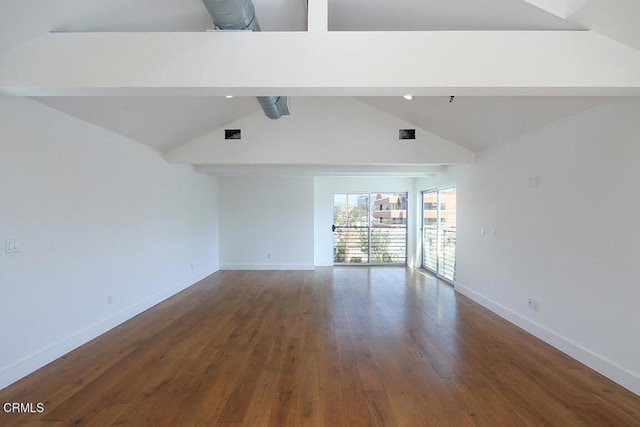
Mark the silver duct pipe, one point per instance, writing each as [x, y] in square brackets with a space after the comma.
[240, 15]
[233, 14]
[274, 107]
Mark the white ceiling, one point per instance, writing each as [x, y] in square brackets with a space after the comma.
[22, 20]
[162, 123]
[472, 122]
[617, 19]
[166, 122]
[414, 15]
[481, 122]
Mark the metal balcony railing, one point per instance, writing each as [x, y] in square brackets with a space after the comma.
[440, 251]
[372, 245]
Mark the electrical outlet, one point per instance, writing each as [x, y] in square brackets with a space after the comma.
[530, 303]
[493, 232]
[269, 255]
[109, 299]
[533, 304]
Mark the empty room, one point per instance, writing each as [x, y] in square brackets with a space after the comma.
[320, 212]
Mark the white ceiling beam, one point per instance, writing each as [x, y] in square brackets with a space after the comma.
[318, 15]
[390, 170]
[322, 63]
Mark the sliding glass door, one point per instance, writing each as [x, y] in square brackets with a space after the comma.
[370, 228]
[430, 230]
[351, 217]
[439, 232]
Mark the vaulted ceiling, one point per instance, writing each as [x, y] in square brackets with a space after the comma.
[513, 65]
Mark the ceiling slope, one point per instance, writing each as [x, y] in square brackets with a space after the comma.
[160, 122]
[450, 15]
[23, 20]
[560, 8]
[481, 122]
[617, 19]
[322, 131]
[175, 57]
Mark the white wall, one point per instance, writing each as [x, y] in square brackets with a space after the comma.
[572, 243]
[262, 215]
[97, 215]
[326, 187]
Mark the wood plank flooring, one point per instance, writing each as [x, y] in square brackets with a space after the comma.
[344, 346]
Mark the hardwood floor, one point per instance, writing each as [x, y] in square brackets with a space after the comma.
[339, 346]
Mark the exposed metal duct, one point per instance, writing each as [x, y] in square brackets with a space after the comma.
[233, 14]
[274, 107]
[240, 15]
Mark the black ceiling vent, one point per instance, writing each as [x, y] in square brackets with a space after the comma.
[232, 134]
[406, 134]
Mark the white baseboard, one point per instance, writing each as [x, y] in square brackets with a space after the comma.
[609, 369]
[267, 267]
[324, 263]
[22, 368]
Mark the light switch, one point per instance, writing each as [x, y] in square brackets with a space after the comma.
[12, 245]
[534, 182]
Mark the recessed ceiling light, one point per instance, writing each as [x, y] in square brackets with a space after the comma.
[229, 96]
[408, 97]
